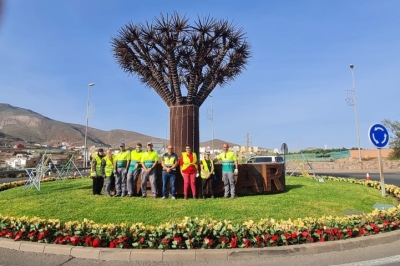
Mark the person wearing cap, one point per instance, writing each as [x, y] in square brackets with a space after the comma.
[95, 172]
[207, 175]
[229, 170]
[149, 162]
[188, 163]
[107, 167]
[169, 163]
[135, 168]
[121, 165]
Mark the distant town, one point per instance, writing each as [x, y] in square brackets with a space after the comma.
[26, 155]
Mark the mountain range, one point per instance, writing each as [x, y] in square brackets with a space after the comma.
[23, 125]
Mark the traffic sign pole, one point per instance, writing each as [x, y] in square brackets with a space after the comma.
[382, 178]
[379, 137]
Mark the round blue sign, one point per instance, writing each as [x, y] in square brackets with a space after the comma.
[378, 135]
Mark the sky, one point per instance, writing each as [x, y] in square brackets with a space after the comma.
[292, 91]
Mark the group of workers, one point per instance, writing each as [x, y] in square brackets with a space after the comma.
[120, 172]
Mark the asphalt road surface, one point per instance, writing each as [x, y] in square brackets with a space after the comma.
[392, 178]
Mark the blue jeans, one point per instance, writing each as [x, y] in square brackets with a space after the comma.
[165, 178]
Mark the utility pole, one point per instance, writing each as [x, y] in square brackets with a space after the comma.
[352, 101]
[247, 138]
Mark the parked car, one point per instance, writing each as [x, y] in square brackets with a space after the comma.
[265, 159]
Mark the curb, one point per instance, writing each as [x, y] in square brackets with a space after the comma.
[200, 255]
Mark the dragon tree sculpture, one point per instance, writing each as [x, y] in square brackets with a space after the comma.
[171, 54]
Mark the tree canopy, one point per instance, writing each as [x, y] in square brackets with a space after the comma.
[394, 129]
[171, 53]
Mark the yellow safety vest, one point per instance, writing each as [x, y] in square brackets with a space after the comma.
[169, 161]
[108, 169]
[186, 160]
[205, 172]
[98, 165]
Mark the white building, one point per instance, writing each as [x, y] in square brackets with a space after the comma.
[19, 161]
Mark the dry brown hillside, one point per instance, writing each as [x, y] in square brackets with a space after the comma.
[19, 124]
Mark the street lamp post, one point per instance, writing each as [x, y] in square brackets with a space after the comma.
[87, 123]
[352, 101]
[210, 116]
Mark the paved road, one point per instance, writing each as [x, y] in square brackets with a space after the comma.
[390, 176]
[383, 254]
[8, 180]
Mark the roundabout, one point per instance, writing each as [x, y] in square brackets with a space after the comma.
[191, 233]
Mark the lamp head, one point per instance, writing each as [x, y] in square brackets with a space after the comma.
[91, 84]
[351, 66]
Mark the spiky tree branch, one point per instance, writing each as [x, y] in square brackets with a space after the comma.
[172, 53]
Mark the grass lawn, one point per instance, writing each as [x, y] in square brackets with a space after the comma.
[72, 200]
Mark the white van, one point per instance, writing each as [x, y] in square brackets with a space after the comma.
[266, 159]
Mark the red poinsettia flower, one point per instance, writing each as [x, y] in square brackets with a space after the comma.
[274, 238]
[233, 242]
[305, 233]
[247, 243]
[294, 235]
[43, 235]
[266, 237]
[395, 225]
[349, 232]
[113, 244]
[208, 241]
[59, 240]
[178, 239]
[75, 240]
[88, 240]
[224, 240]
[310, 239]
[18, 236]
[165, 240]
[32, 234]
[322, 239]
[96, 243]
[141, 240]
[386, 223]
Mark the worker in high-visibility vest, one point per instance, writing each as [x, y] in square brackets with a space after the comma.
[134, 170]
[169, 162]
[107, 167]
[95, 164]
[229, 170]
[121, 165]
[149, 162]
[188, 163]
[207, 175]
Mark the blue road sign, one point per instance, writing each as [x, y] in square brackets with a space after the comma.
[378, 135]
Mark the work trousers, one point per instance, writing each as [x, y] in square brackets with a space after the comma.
[109, 184]
[153, 182]
[207, 182]
[97, 185]
[189, 180]
[120, 182]
[132, 181]
[168, 178]
[229, 184]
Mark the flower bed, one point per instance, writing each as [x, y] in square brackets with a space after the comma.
[206, 234]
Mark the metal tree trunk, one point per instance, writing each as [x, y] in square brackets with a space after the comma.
[184, 127]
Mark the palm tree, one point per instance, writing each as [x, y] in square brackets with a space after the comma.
[170, 55]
